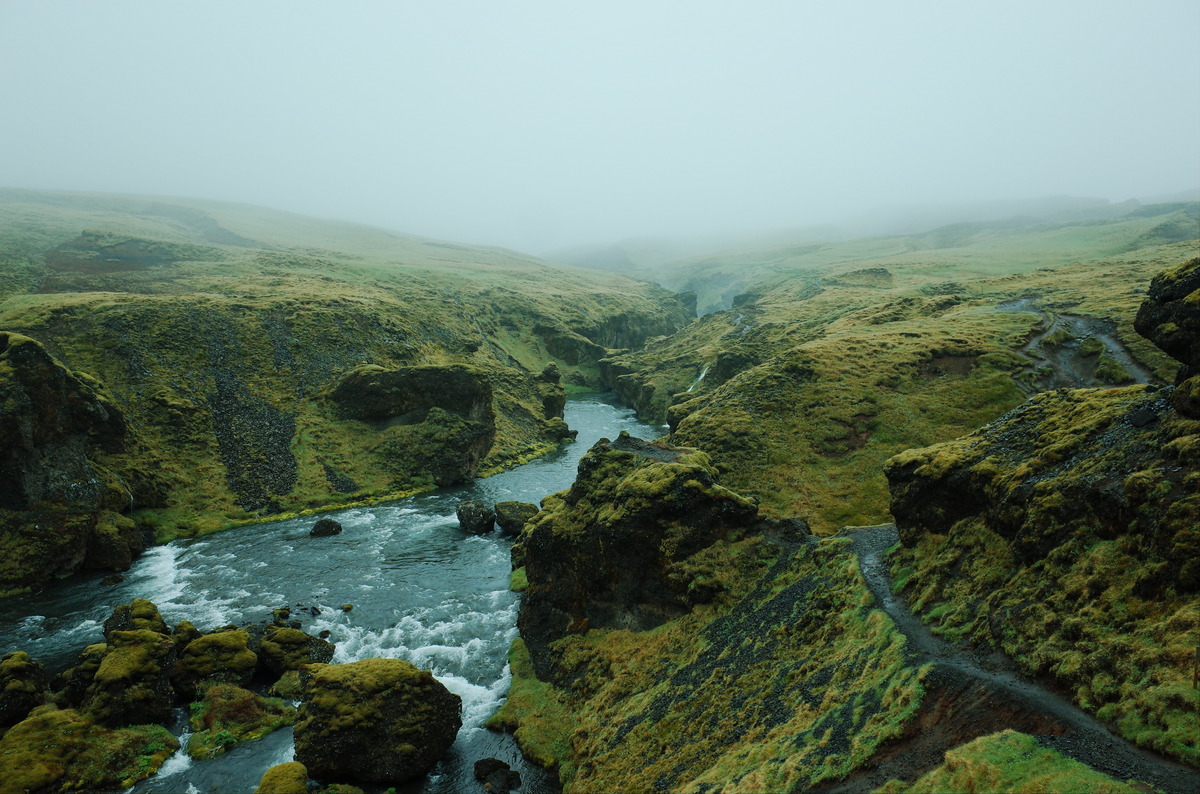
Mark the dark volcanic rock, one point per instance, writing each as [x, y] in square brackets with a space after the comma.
[373, 721]
[496, 776]
[283, 648]
[512, 516]
[221, 657]
[137, 615]
[613, 550]
[475, 517]
[324, 528]
[132, 685]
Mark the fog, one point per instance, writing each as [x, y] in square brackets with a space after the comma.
[539, 125]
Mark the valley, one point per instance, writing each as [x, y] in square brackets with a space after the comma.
[917, 504]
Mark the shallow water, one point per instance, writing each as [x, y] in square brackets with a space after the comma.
[421, 589]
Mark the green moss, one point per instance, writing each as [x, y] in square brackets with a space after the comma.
[289, 778]
[518, 581]
[1010, 763]
[536, 715]
[63, 751]
[228, 714]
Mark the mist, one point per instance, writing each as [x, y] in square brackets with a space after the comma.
[544, 125]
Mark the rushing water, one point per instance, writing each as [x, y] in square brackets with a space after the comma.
[421, 590]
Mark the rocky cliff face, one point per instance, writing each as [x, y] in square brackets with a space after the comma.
[1067, 534]
[60, 510]
[624, 547]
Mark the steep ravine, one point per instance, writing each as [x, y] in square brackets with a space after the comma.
[967, 697]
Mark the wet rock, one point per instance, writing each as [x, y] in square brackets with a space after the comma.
[289, 778]
[475, 517]
[496, 776]
[71, 685]
[223, 657]
[282, 649]
[132, 685]
[324, 528]
[373, 721]
[137, 615]
[114, 543]
[62, 750]
[23, 687]
[512, 516]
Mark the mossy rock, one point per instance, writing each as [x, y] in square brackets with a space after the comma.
[288, 686]
[132, 685]
[218, 657]
[289, 778]
[137, 615]
[115, 542]
[513, 516]
[282, 649]
[70, 686]
[228, 714]
[374, 721]
[23, 687]
[61, 750]
[1170, 316]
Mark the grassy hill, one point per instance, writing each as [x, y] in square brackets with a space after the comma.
[817, 362]
[219, 329]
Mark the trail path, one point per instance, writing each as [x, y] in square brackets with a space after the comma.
[989, 698]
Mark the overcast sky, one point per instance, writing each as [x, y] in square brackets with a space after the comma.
[543, 124]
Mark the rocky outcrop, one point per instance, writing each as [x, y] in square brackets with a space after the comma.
[58, 508]
[1170, 316]
[475, 517]
[513, 516]
[619, 548]
[132, 685]
[373, 721]
[22, 687]
[434, 421]
[137, 615]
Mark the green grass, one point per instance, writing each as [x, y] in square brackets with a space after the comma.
[1010, 763]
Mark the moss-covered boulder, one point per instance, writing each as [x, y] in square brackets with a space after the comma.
[289, 778]
[114, 543]
[137, 615]
[512, 517]
[1170, 316]
[132, 685]
[623, 547]
[433, 420]
[223, 657]
[71, 685]
[374, 721]
[55, 750]
[475, 517]
[228, 714]
[283, 648]
[23, 687]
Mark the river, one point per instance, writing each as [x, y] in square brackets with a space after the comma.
[421, 589]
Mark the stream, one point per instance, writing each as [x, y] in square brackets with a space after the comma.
[421, 589]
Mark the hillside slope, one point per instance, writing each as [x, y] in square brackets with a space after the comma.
[237, 345]
[832, 357]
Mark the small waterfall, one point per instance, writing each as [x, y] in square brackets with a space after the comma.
[696, 382]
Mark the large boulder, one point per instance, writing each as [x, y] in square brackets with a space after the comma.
[513, 516]
[137, 615]
[22, 687]
[435, 422]
[289, 778]
[374, 721]
[325, 528]
[475, 517]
